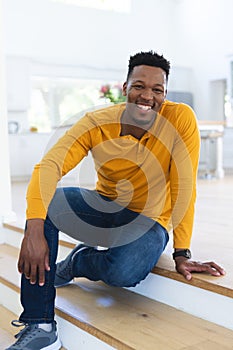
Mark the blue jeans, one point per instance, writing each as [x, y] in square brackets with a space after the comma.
[124, 263]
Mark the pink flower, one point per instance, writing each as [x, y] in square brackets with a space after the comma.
[105, 89]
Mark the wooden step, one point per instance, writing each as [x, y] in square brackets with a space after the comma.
[163, 279]
[165, 266]
[123, 319]
[212, 234]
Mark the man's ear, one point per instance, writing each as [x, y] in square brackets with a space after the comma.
[124, 89]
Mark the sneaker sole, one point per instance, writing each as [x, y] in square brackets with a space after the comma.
[64, 284]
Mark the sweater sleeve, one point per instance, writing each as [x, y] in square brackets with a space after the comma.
[68, 151]
[183, 174]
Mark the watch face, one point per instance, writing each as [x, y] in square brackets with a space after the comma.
[187, 253]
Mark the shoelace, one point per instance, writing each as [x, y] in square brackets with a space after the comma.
[17, 323]
[24, 332]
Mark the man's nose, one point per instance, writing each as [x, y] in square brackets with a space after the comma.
[147, 94]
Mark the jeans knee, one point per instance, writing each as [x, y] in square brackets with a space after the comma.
[124, 276]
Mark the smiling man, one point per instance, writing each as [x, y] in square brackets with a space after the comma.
[146, 154]
[146, 89]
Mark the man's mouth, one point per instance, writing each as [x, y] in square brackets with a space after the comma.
[144, 107]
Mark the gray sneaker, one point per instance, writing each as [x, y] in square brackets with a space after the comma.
[64, 269]
[31, 337]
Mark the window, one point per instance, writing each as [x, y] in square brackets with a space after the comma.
[60, 101]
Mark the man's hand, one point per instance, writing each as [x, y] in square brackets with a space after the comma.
[186, 266]
[34, 253]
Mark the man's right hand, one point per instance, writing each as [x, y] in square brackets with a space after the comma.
[34, 253]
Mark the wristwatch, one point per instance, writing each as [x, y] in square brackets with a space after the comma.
[184, 252]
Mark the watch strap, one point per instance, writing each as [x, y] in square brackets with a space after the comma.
[186, 253]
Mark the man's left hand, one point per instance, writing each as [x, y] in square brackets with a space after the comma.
[186, 266]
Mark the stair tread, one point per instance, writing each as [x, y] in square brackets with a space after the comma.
[165, 267]
[124, 319]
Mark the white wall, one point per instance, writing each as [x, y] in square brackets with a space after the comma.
[42, 36]
[192, 34]
[206, 32]
[46, 38]
[44, 30]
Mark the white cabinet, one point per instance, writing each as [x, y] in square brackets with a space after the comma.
[26, 150]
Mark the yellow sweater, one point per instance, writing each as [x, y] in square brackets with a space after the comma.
[155, 175]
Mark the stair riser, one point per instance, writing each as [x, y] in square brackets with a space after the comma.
[10, 299]
[198, 302]
[74, 338]
[11, 237]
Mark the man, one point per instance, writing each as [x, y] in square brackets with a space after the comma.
[146, 156]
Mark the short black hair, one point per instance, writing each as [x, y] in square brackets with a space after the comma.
[149, 58]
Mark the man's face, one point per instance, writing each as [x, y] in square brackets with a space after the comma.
[146, 92]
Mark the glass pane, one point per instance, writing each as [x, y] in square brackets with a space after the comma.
[63, 101]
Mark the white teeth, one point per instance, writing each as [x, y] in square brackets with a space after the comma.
[145, 108]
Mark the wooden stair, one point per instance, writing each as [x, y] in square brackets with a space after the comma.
[163, 311]
[91, 315]
[118, 317]
[165, 266]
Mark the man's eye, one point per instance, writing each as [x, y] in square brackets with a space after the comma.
[138, 87]
[158, 91]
